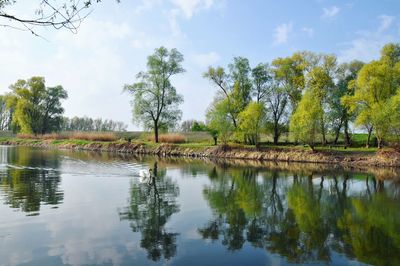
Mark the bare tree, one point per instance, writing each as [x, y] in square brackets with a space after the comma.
[58, 14]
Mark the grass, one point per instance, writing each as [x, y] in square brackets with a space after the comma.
[89, 136]
[169, 138]
[193, 140]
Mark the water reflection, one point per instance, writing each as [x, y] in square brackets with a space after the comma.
[262, 213]
[29, 179]
[304, 218]
[151, 204]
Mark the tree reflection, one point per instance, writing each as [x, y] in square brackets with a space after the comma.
[150, 206]
[305, 218]
[30, 179]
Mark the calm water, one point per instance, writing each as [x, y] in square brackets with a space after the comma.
[77, 208]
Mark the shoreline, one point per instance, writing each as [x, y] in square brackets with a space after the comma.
[382, 158]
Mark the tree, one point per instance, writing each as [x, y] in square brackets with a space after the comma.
[186, 125]
[306, 121]
[289, 72]
[219, 120]
[251, 121]
[262, 81]
[5, 114]
[67, 14]
[89, 124]
[156, 101]
[235, 86]
[339, 115]
[277, 102]
[37, 108]
[198, 126]
[376, 83]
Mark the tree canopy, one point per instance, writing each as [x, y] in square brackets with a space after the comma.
[36, 108]
[156, 101]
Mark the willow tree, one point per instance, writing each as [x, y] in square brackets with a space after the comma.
[235, 86]
[155, 102]
[36, 108]
[376, 83]
[289, 72]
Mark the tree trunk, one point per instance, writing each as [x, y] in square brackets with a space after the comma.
[312, 146]
[379, 143]
[156, 131]
[369, 137]
[323, 130]
[337, 133]
[276, 133]
[215, 141]
[346, 133]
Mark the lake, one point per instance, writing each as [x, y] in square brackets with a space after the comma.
[80, 208]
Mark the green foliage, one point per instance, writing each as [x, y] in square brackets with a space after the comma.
[36, 108]
[155, 102]
[376, 83]
[262, 81]
[289, 72]
[219, 121]
[251, 122]
[306, 121]
[198, 126]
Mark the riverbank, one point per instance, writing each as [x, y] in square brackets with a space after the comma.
[382, 158]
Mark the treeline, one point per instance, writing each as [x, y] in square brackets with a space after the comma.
[308, 94]
[90, 124]
[32, 108]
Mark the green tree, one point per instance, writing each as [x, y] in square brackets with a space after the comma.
[251, 122]
[36, 108]
[235, 86]
[198, 126]
[277, 102]
[156, 101]
[305, 123]
[289, 72]
[262, 82]
[219, 120]
[309, 118]
[376, 83]
[339, 115]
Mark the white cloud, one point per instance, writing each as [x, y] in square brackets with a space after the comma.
[205, 60]
[330, 12]
[189, 7]
[281, 33]
[386, 22]
[308, 31]
[367, 45]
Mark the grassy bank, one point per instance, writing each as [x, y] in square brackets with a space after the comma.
[283, 153]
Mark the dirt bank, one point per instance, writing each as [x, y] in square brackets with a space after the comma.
[381, 158]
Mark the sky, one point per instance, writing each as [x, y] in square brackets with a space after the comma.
[113, 43]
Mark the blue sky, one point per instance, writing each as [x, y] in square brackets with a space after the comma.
[113, 43]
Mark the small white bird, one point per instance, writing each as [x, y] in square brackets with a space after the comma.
[145, 176]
